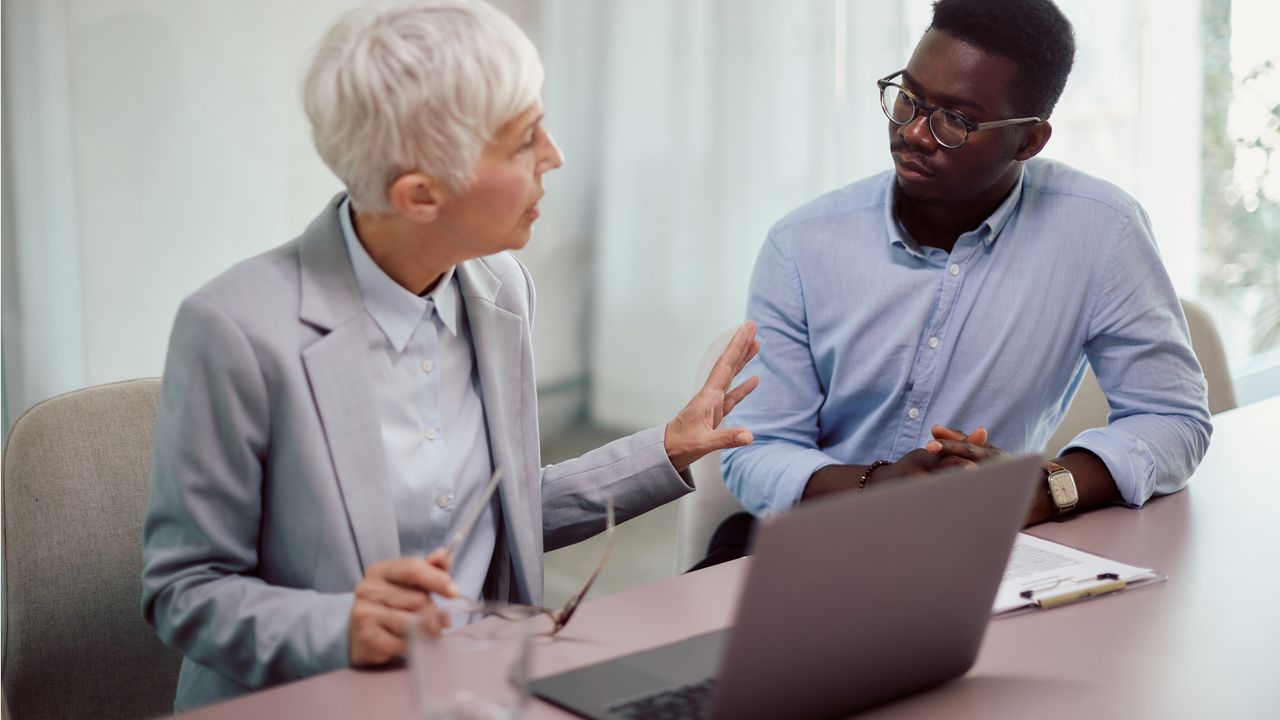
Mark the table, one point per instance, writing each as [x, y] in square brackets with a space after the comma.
[1206, 643]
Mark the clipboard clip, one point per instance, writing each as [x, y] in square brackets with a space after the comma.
[1110, 582]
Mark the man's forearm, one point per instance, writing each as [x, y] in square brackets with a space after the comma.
[1094, 486]
[832, 479]
[840, 478]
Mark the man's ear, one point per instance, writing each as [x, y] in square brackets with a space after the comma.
[1034, 140]
[416, 197]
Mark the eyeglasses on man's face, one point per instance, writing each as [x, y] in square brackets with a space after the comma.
[949, 127]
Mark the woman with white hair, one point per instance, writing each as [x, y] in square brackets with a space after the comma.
[330, 407]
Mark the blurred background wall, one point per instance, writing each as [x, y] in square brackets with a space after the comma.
[150, 144]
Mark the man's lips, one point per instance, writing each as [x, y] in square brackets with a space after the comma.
[914, 165]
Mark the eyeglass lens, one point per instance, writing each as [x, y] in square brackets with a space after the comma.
[948, 128]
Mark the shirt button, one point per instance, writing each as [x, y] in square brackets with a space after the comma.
[913, 413]
[426, 366]
[933, 342]
[431, 433]
[442, 502]
[954, 269]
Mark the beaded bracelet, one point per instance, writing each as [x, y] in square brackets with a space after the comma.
[862, 481]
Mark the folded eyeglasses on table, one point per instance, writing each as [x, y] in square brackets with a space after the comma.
[513, 611]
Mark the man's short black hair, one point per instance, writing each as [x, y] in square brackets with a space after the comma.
[1032, 33]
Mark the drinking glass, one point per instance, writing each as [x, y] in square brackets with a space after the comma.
[452, 675]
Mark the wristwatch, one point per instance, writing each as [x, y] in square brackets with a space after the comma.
[1062, 487]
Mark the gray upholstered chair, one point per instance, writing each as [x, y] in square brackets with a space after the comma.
[1089, 408]
[702, 511]
[75, 490]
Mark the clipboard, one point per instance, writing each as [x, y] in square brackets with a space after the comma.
[1042, 575]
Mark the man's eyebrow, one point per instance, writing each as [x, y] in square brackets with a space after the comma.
[946, 101]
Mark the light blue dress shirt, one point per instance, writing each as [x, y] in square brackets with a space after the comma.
[433, 427]
[868, 339]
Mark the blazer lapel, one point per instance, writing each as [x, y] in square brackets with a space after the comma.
[337, 369]
[499, 344]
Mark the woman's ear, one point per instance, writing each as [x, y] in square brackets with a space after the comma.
[415, 196]
[1034, 140]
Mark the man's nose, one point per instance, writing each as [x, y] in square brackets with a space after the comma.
[917, 133]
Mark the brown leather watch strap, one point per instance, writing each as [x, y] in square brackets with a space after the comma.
[1051, 467]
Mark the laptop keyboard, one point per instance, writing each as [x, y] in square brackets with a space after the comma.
[687, 702]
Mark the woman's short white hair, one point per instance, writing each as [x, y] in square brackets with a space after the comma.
[416, 87]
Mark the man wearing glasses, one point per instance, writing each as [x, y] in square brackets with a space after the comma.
[941, 313]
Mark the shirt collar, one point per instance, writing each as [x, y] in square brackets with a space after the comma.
[988, 231]
[396, 310]
[998, 219]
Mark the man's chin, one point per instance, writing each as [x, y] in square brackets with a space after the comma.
[919, 188]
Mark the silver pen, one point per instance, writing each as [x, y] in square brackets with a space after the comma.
[456, 538]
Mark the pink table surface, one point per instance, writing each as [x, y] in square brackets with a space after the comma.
[1206, 643]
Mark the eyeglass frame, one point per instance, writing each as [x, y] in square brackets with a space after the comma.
[917, 105]
[559, 618]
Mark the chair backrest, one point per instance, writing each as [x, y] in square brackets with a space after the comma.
[75, 491]
[1089, 408]
[702, 511]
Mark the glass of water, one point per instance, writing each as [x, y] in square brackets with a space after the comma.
[476, 672]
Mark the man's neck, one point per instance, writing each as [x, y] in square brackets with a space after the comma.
[404, 252]
[939, 225]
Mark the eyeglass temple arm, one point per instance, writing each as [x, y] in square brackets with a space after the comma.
[563, 616]
[890, 76]
[1003, 123]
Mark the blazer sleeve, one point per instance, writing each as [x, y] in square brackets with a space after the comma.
[201, 531]
[634, 471]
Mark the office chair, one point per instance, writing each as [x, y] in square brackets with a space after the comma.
[702, 511]
[1089, 408]
[75, 491]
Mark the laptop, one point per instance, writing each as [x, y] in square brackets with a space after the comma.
[848, 602]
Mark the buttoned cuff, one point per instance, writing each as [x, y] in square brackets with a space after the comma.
[1128, 458]
[789, 488]
[667, 484]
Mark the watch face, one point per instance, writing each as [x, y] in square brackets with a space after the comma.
[1062, 488]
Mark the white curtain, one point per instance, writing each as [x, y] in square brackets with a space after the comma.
[150, 144]
[718, 117]
[43, 318]
[721, 116]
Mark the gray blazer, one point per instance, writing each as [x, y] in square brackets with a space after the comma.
[269, 497]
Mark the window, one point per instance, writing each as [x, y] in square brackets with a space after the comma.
[1240, 175]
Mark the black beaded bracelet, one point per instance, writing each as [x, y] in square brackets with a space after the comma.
[862, 481]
